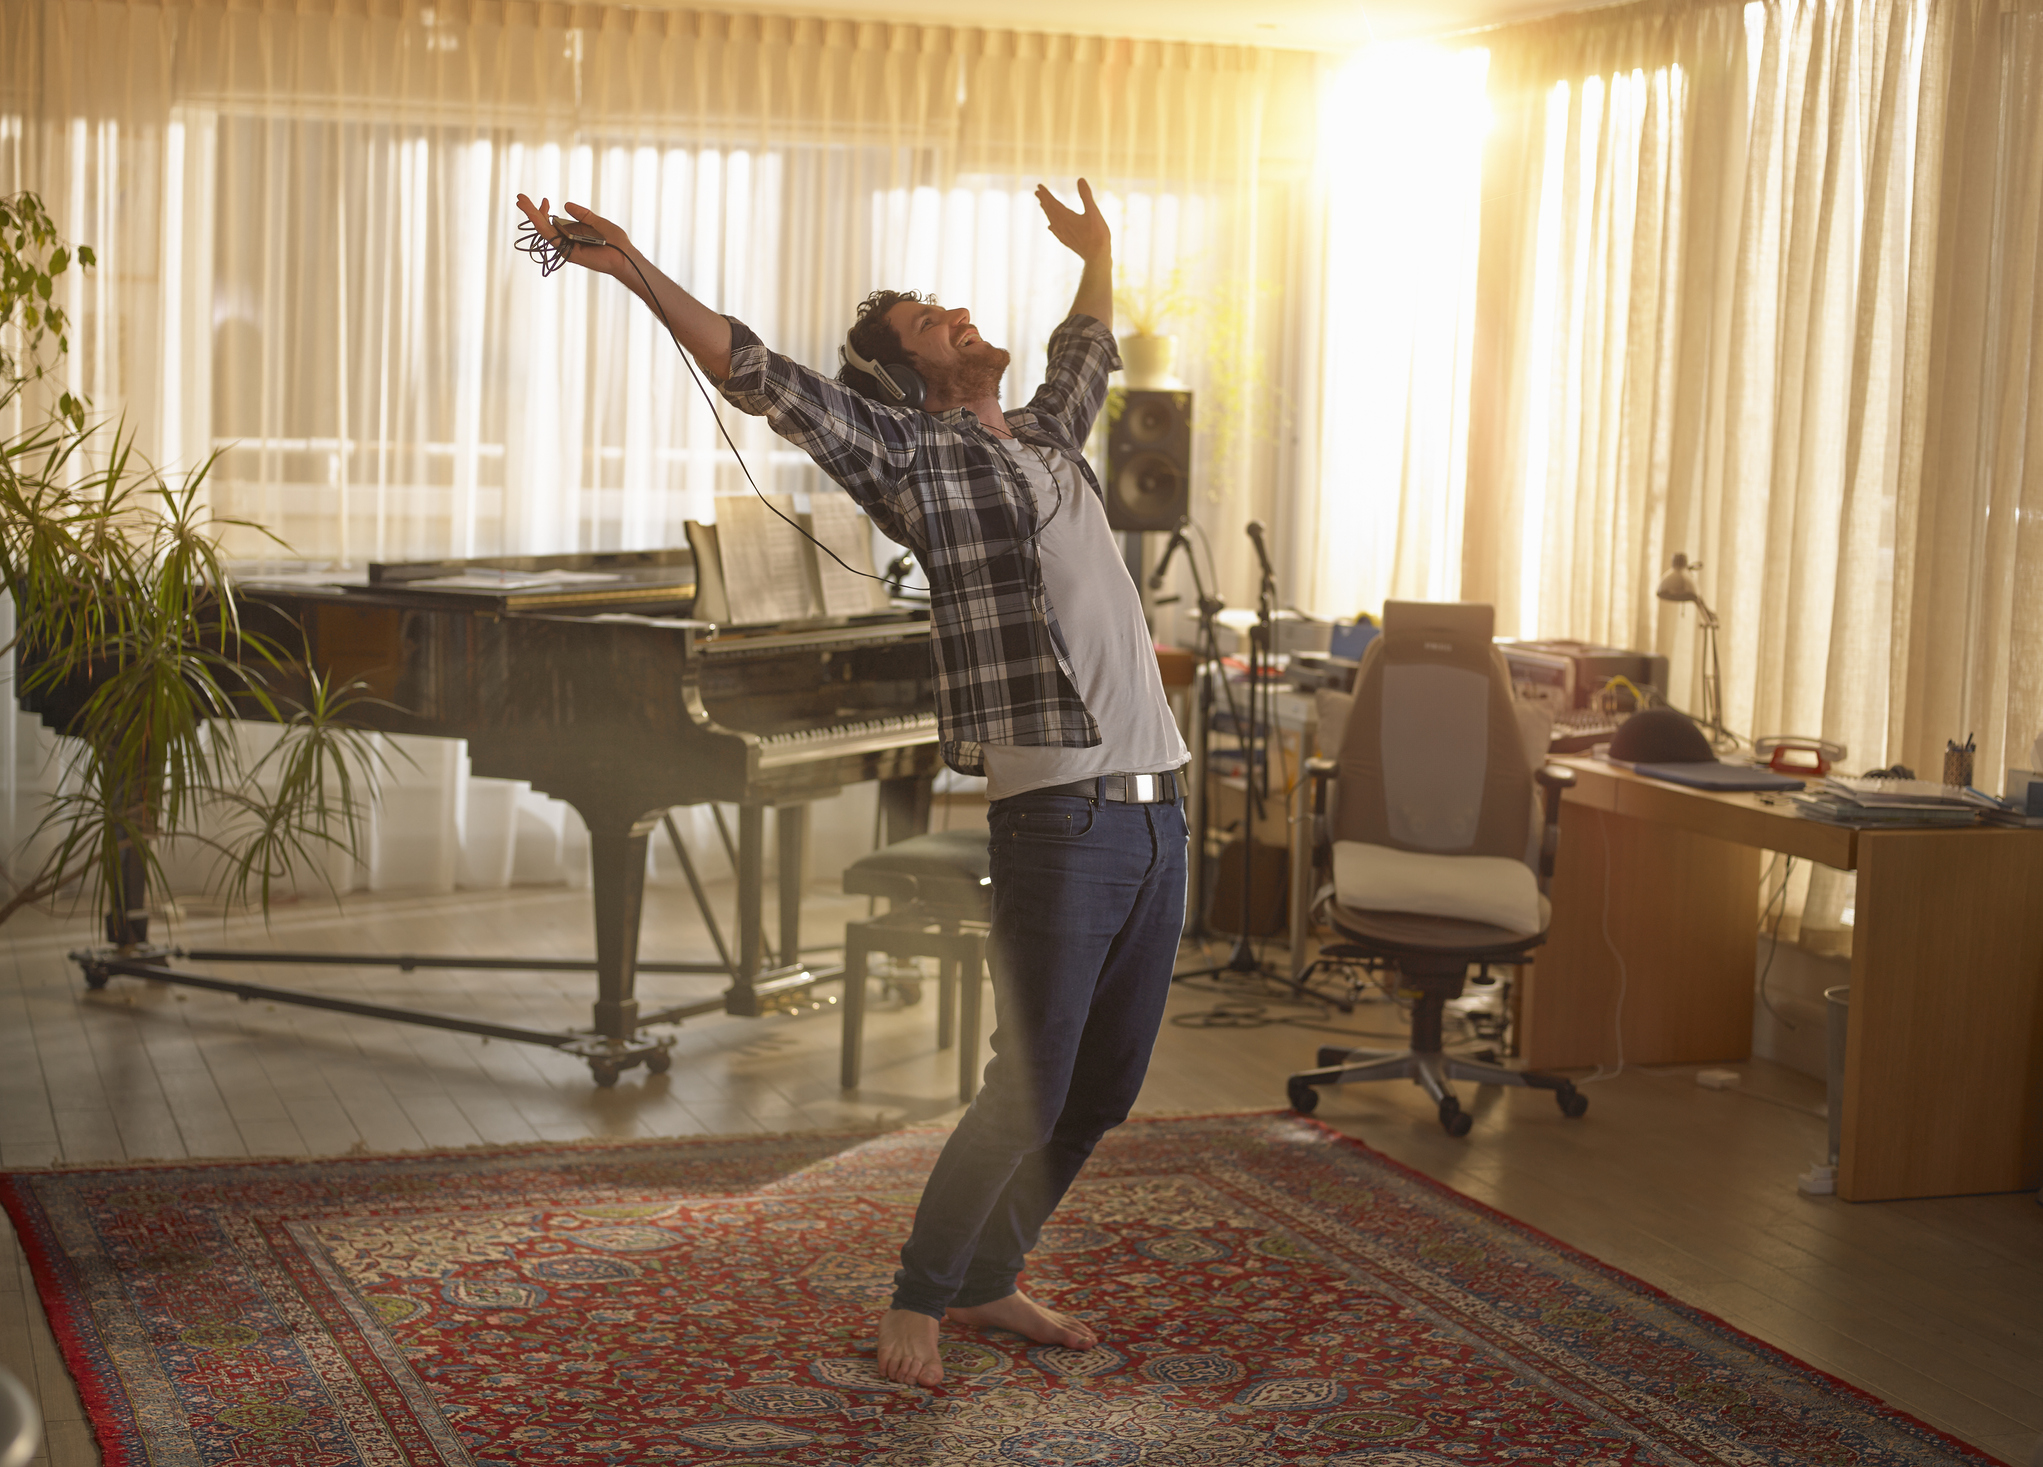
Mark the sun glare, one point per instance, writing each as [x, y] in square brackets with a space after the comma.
[1402, 137]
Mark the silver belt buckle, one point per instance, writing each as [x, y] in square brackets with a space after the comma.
[1142, 788]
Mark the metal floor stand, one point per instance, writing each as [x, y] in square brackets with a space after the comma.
[613, 1043]
[1242, 960]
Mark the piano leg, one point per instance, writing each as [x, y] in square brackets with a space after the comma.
[739, 854]
[617, 860]
[792, 823]
[751, 910]
[753, 990]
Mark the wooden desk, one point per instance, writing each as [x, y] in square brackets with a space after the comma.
[1943, 1089]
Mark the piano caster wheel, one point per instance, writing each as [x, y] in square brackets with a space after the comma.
[605, 1071]
[659, 1061]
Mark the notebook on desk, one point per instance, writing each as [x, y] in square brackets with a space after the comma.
[1705, 776]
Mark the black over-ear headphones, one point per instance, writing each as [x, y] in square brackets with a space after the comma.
[901, 382]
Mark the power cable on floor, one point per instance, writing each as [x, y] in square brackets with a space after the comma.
[1774, 945]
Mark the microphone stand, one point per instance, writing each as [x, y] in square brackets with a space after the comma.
[1242, 959]
[1208, 658]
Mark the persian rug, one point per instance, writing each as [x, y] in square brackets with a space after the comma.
[1270, 1292]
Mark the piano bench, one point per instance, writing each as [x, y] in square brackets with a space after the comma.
[941, 891]
[947, 872]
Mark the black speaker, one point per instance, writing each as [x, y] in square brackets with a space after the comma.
[1149, 459]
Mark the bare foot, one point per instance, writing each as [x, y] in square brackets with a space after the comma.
[908, 1348]
[1026, 1317]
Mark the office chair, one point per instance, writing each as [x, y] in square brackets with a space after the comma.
[1427, 825]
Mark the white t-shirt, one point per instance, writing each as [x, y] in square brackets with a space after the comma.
[1113, 658]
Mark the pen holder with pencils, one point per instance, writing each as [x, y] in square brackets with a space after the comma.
[1958, 766]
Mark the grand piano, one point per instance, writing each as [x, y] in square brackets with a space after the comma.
[588, 676]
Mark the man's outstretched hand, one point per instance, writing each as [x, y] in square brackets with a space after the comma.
[610, 261]
[1085, 235]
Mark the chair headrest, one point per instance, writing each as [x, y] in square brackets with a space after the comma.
[1461, 620]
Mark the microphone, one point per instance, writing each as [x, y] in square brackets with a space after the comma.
[897, 569]
[1177, 538]
[1255, 533]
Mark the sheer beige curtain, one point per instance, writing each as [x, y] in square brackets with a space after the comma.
[1694, 321]
[1766, 294]
[1402, 174]
[1968, 562]
[303, 214]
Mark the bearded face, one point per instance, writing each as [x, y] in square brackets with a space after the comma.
[974, 373]
[956, 363]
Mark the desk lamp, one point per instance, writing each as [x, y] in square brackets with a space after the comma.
[1679, 585]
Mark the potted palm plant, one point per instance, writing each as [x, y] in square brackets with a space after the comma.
[130, 642]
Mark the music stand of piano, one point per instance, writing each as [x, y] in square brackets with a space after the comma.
[587, 676]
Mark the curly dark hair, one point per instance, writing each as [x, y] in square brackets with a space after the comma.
[877, 340]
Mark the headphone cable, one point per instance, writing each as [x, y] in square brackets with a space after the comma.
[552, 254]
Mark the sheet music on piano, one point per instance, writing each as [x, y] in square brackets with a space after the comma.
[765, 560]
[842, 527]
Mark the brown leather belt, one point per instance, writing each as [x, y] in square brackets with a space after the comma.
[1127, 789]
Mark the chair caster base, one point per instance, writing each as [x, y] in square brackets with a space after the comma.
[1304, 1099]
[1454, 1120]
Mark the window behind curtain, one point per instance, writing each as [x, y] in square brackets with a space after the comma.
[1402, 144]
[390, 378]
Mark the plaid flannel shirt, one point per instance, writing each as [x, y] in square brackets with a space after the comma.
[941, 485]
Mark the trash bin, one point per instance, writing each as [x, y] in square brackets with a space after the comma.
[1837, 1007]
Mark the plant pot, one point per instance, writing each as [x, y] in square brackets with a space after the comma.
[1149, 361]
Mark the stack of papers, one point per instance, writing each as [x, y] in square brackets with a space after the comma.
[486, 578]
[1881, 803]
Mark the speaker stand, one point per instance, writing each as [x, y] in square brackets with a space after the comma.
[1135, 555]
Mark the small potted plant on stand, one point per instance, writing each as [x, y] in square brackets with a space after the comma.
[1149, 352]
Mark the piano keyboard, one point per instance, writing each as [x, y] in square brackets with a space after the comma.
[798, 745]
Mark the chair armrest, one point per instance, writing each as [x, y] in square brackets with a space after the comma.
[1554, 781]
[1320, 773]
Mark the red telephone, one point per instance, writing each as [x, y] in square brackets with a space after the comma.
[1805, 758]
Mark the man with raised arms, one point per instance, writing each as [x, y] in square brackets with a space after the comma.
[1046, 684]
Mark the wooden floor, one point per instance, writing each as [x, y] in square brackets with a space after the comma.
[1934, 1306]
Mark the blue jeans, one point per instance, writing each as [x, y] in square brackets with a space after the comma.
[1088, 905]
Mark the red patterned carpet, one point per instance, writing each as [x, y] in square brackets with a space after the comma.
[1277, 1294]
